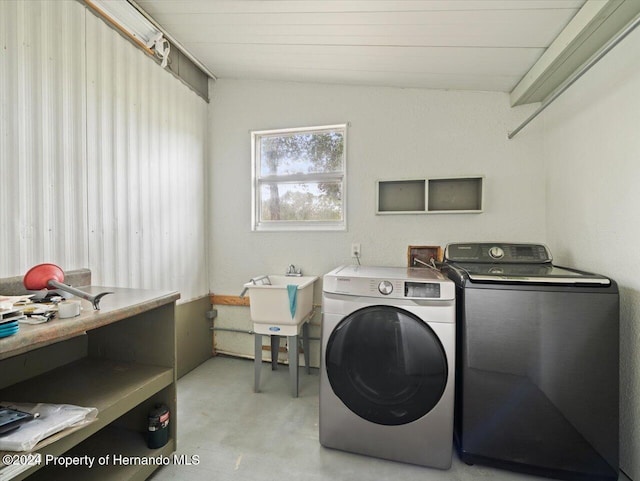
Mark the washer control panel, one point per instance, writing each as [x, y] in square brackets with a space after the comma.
[404, 289]
[497, 252]
[389, 283]
[408, 289]
[416, 290]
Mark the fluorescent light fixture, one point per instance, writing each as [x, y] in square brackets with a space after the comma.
[126, 18]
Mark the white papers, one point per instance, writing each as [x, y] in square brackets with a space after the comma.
[53, 418]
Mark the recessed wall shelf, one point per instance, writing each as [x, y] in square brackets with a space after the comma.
[442, 195]
[401, 196]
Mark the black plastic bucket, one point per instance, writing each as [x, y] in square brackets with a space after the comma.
[158, 427]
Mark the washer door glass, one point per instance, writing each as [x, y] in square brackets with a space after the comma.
[386, 365]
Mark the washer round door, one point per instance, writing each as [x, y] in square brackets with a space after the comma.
[386, 365]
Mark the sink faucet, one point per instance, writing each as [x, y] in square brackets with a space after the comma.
[293, 272]
[260, 280]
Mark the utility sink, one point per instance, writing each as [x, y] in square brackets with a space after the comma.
[270, 301]
[281, 306]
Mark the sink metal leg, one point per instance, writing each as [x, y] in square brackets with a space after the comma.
[293, 364]
[257, 363]
[275, 347]
[305, 346]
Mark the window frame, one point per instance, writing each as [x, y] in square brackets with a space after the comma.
[257, 224]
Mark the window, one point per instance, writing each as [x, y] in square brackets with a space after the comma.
[299, 178]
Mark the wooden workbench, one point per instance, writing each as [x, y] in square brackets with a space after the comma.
[120, 360]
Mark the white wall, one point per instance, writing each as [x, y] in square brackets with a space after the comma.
[102, 159]
[394, 134]
[592, 151]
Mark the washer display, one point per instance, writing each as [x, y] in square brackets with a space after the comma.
[387, 374]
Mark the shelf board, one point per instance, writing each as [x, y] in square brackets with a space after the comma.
[113, 387]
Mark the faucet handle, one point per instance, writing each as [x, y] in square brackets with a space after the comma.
[292, 271]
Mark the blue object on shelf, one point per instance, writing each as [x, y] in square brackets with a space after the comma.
[6, 332]
[9, 325]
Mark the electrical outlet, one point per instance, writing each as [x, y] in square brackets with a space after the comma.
[355, 250]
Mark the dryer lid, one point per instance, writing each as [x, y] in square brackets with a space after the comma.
[515, 263]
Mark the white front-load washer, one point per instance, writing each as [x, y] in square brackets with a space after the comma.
[388, 363]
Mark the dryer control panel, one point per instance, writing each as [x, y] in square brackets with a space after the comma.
[497, 252]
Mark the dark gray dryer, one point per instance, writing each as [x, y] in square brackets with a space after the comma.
[537, 362]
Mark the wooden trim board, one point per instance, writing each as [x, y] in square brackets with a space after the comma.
[222, 300]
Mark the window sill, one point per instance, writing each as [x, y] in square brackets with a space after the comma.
[299, 227]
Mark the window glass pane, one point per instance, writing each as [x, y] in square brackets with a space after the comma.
[313, 201]
[302, 153]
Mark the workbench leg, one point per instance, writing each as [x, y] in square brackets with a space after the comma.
[293, 364]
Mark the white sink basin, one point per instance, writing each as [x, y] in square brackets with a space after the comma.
[270, 308]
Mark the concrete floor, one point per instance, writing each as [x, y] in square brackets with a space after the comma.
[240, 435]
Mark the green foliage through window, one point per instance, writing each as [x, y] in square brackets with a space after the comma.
[299, 177]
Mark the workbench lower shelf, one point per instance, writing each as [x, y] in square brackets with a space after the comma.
[113, 387]
[114, 454]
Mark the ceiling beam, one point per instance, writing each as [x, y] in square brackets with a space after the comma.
[595, 24]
